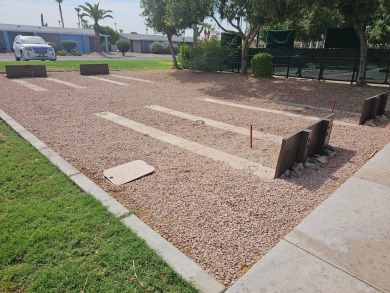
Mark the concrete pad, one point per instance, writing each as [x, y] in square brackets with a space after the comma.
[58, 161]
[107, 80]
[182, 264]
[128, 172]
[377, 169]
[233, 161]
[286, 268]
[132, 78]
[220, 125]
[267, 110]
[69, 84]
[33, 140]
[350, 230]
[15, 126]
[30, 85]
[90, 187]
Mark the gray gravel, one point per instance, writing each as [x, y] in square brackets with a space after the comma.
[224, 219]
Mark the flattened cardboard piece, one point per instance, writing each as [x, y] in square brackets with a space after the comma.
[128, 172]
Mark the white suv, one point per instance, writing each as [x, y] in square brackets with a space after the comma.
[32, 48]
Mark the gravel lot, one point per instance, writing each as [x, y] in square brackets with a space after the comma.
[222, 218]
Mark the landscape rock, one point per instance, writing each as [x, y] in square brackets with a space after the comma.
[321, 159]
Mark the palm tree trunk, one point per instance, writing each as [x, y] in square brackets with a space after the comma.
[98, 47]
[62, 19]
[175, 65]
[360, 30]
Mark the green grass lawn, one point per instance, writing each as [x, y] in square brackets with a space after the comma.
[56, 238]
[130, 65]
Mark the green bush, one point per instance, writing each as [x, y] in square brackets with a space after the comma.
[262, 65]
[210, 56]
[61, 53]
[123, 46]
[184, 57]
[168, 50]
[157, 48]
[68, 45]
[77, 53]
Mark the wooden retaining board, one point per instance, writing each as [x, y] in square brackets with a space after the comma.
[94, 69]
[15, 71]
[304, 143]
[373, 106]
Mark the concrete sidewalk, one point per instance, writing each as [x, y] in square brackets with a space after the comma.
[342, 246]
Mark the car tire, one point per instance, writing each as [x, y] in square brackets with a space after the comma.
[17, 58]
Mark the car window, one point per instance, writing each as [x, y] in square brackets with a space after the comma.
[32, 40]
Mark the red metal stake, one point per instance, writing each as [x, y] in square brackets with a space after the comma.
[334, 104]
[251, 137]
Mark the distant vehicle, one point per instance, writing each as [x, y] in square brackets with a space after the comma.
[32, 48]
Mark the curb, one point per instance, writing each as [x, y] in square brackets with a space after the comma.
[177, 260]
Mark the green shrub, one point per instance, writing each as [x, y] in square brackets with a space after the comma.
[77, 53]
[210, 56]
[184, 57]
[123, 46]
[157, 48]
[168, 50]
[262, 65]
[68, 45]
[61, 53]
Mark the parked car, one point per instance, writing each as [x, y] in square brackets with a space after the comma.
[32, 48]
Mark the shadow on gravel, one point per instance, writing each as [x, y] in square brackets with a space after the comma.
[310, 92]
[313, 179]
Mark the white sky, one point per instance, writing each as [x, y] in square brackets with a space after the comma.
[126, 13]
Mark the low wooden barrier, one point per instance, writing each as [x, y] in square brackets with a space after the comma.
[373, 106]
[304, 143]
[15, 71]
[94, 69]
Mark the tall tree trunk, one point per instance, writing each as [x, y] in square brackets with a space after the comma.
[244, 56]
[195, 35]
[98, 47]
[361, 32]
[175, 65]
[62, 19]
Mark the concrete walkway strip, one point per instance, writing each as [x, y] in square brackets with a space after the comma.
[278, 112]
[29, 85]
[228, 127]
[180, 263]
[286, 268]
[72, 85]
[132, 78]
[377, 169]
[292, 104]
[350, 230]
[107, 80]
[211, 153]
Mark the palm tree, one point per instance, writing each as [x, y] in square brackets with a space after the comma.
[96, 14]
[59, 5]
[78, 9]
